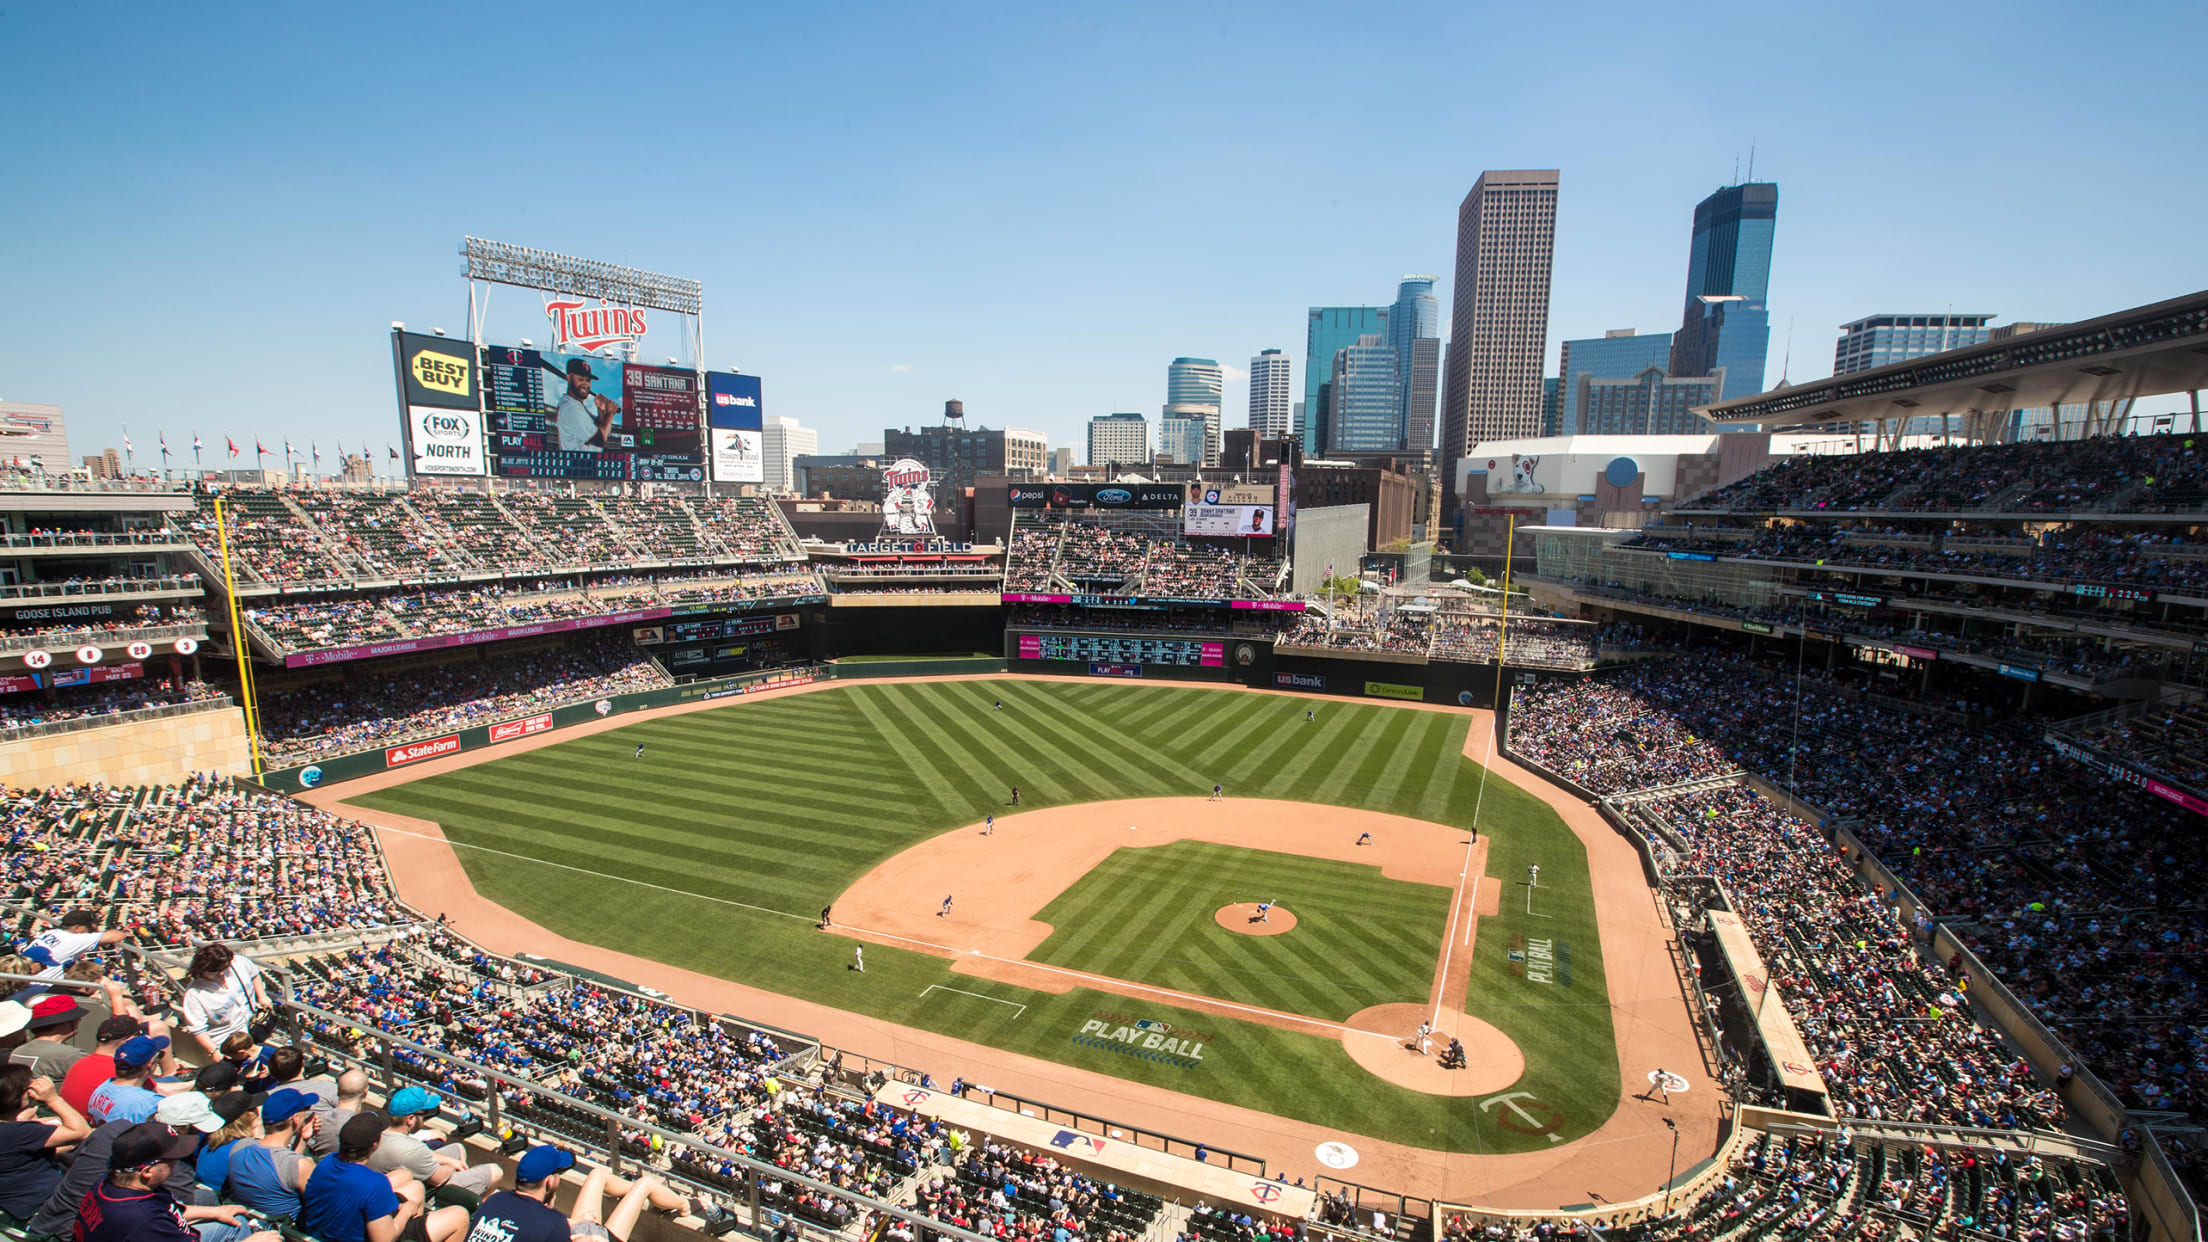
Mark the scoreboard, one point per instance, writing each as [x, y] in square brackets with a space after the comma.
[1128, 649]
[655, 438]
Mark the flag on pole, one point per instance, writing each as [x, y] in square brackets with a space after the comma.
[234, 445]
[126, 440]
[314, 451]
[164, 438]
[394, 452]
[259, 450]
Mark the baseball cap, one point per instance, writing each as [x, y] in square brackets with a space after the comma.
[539, 1163]
[407, 1101]
[188, 1109]
[141, 1050]
[283, 1104]
[13, 1017]
[237, 1104]
[362, 1134]
[216, 1076]
[55, 1011]
[576, 366]
[148, 1141]
[120, 1027]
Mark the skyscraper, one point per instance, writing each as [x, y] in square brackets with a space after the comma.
[1620, 353]
[1122, 438]
[1181, 439]
[1499, 312]
[1192, 390]
[1269, 406]
[1365, 400]
[783, 440]
[1329, 330]
[1727, 321]
[1648, 404]
[1414, 330]
[1879, 340]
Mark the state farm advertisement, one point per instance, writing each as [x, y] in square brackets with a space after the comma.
[512, 729]
[414, 752]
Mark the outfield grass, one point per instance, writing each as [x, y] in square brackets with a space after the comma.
[1361, 939]
[741, 822]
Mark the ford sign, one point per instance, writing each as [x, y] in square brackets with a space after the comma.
[1113, 496]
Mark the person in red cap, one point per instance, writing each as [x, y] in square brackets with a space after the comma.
[52, 1048]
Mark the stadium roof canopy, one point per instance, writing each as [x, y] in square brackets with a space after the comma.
[2142, 352]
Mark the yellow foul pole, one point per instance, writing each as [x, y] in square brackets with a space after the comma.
[1502, 634]
[237, 641]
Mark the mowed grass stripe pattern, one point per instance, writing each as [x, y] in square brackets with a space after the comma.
[1147, 914]
[779, 805]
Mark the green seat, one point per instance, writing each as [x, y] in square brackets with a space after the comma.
[449, 1195]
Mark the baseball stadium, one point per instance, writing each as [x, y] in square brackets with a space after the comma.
[1816, 855]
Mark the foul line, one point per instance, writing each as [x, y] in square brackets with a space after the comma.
[1468, 923]
[1449, 942]
[937, 987]
[602, 875]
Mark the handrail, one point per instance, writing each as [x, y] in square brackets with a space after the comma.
[104, 586]
[162, 537]
[34, 639]
[133, 715]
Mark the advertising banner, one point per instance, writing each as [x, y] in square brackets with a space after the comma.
[1392, 690]
[16, 683]
[528, 725]
[1236, 521]
[578, 416]
[1229, 494]
[1300, 681]
[415, 752]
[734, 416]
[439, 392]
[93, 676]
[1095, 495]
[437, 372]
[1115, 670]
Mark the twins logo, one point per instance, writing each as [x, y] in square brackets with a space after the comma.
[1265, 1192]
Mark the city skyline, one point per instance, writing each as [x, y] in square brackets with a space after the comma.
[286, 243]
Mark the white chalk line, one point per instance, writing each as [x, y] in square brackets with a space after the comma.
[937, 987]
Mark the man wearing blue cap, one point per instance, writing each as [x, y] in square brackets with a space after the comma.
[526, 1214]
[128, 1096]
[268, 1173]
[410, 1108]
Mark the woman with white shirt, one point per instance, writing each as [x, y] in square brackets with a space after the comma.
[222, 992]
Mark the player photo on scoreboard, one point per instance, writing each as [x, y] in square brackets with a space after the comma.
[584, 393]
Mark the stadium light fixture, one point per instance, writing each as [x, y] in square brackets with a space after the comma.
[505, 264]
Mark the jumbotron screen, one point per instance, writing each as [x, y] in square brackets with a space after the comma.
[580, 416]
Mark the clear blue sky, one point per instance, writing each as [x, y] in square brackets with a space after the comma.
[212, 218]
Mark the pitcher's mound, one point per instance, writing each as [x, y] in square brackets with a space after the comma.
[1242, 917]
[1492, 1059]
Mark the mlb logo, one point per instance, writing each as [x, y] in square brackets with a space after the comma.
[1149, 1024]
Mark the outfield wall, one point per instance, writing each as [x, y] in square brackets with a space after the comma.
[330, 770]
[156, 750]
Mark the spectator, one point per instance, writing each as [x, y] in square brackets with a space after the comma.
[409, 1109]
[346, 1201]
[52, 1050]
[133, 1203]
[129, 1095]
[222, 993]
[269, 1169]
[28, 1172]
[526, 1213]
[98, 1065]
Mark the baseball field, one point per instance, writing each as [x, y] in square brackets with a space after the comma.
[1104, 922]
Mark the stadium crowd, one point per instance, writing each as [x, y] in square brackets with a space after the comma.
[26, 710]
[1051, 554]
[317, 535]
[2074, 889]
[2130, 474]
[2127, 557]
[353, 709]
